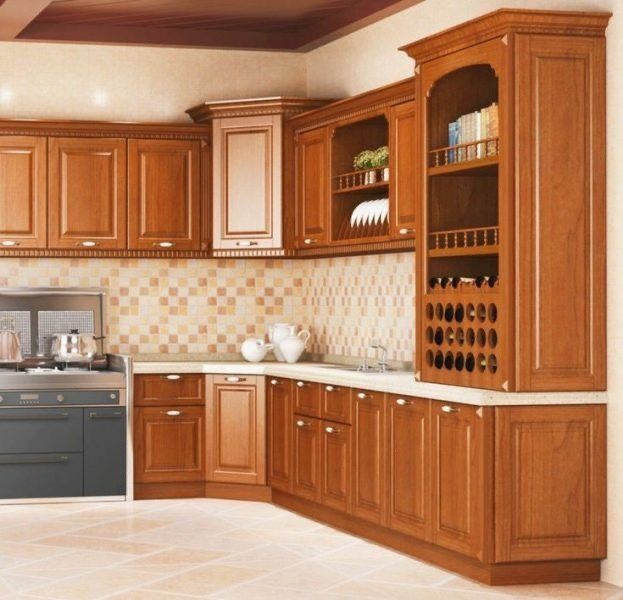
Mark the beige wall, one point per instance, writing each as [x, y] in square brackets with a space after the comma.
[368, 58]
[130, 83]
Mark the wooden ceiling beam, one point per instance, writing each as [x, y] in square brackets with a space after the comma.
[16, 15]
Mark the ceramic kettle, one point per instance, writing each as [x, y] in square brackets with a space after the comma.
[278, 332]
[255, 349]
[293, 346]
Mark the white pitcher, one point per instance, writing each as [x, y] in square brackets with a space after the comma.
[293, 346]
[278, 332]
[255, 349]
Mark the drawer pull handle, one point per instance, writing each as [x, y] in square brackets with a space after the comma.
[164, 244]
[363, 396]
[30, 460]
[9, 243]
[173, 413]
[301, 384]
[115, 415]
[301, 423]
[235, 379]
[405, 231]
[449, 409]
[403, 402]
[331, 430]
[309, 241]
[26, 417]
[330, 388]
[275, 382]
[172, 377]
[87, 244]
[246, 243]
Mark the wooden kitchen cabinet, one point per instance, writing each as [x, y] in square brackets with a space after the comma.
[368, 462]
[169, 444]
[169, 389]
[164, 183]
[87, 193]
[279, 432]
[307, 398]
[336, 403]
[306, 458]
[312, 188]
[408, 462]
[236, 429]
[23, 206]
[336, 447]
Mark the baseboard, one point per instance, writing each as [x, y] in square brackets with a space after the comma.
[201, 489]
[490, 574]
[238, 491]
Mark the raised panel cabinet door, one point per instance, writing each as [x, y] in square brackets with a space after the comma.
[312, 188]
[368, 461]
[167, 389]
[462, 500]
[306, 464]
[87, 193]
[169, 444]
[560, 88]
[408, 461]
[247, 182]
[307, 398]
[164, 194]
[235, 430]
[402, 166]
[23, 206]
[336, 471]
[551, 482]
[336, 404]
[279, 433]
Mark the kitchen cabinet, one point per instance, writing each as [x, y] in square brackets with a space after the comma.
[307, 397]
[306, 462]
[336, 403]
[169, 444]
[170, 389]
[368, 465]
[87, 193]
[408, 461]
[164, 183]
[312, 188]
[236, 429]
[336, 444]
[279, 432]
[23, 195]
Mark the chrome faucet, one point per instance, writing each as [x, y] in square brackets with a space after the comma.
[383, 365]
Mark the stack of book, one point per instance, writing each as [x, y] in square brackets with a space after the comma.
[474, 129]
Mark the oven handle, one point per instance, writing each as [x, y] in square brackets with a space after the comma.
[33, 460]
[55, 417]
[115, 415]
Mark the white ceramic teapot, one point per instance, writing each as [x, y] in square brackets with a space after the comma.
[278, 332]
[293, 346]
[255, 349]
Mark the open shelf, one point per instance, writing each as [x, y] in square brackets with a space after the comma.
[480, 166]
[464, 242]
[368, 179]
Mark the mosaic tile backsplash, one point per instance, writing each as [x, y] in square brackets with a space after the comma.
[211, 306]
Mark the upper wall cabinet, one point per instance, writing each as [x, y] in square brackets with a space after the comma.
[249, 156]
[87, 193]
[22, 192]
[354, 182]
[511, 229]
[164, 194]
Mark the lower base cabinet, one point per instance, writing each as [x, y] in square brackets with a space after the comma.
[336, 442]
[306, 457]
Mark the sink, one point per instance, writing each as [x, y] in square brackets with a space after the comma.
[371, 370]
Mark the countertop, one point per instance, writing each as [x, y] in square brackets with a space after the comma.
[395, 382]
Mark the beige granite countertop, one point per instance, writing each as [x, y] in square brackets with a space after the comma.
[395, 382]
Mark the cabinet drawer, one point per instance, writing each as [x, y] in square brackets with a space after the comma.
[40, 475]
[336, 404]
[169, 389]
[40, 430]
[307, 398]
[233, 379]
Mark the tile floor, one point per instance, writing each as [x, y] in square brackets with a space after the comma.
[181, 549]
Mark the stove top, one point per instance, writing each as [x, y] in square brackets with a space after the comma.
[54, 378]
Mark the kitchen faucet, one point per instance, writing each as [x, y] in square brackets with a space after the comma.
[376, 345]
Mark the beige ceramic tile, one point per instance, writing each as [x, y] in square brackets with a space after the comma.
[100, 544]
[305, 576]
[120, 528]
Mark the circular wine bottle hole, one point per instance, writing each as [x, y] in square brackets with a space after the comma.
[430, 335]
[439, 311]
[481, 337]
[430, 311]
[469, 362]
[430, 358]
[481, 313]
[492, 313]
[460, 336]
[470, 337]
[492, 363]
[449, 336]
[449, 313]
[445, 282]
[439, 336]
[449, 361]
[459, 361]
[439, 359]
[459, 313]
[432, 282]
[481, 363]
[471, 312]
[493, 338]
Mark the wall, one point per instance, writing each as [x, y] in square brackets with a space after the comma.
[131, 83]
[211, 306]
[365, 59]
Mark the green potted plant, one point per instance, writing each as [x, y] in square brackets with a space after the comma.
[381, 161]
[363, 162]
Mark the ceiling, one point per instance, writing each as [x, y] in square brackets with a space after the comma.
[249, 24]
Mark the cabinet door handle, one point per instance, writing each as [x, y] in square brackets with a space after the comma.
[246, 243]
[88, 244]
[235, 379]
[33, 460]
[406, 231]
[164, 244]
[449, 409]
[301, 423]
[403, 402]
[115, 415]
[330, 388]
[363, 396]
[309, 241]
[27, 417]
[275, 382]
[172, 413]
[171, 377]
[331, 430]
[301, 384]
[9, 243]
